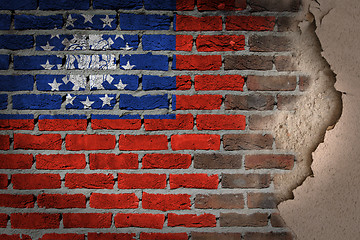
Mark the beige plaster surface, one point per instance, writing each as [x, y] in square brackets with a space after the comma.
[326, 205]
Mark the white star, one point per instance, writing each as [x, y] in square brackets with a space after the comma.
[109, 78]
[79, 81]
[87, 104]
[128, 66]
[88, 18]
[70, 21]
[55, 36]
[106, 100]
[127, 48]
[107, 21]
[120, 85]
[65, 79]
[59, 66]
[69, 99]
[54, 85]
[47, 47]
[119, 36]
[96, 81]
[47, 65]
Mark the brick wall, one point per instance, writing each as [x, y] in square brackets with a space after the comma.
[132, 120]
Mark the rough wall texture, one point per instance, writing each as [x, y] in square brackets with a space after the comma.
[326, 205]
[157, 120]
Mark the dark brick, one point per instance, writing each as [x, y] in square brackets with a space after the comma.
[249, 102]
[304, 83]
[259, 122]
[3, 101]
[4, 62]
[287, 24]
[217, 161]
[269, 43]
[262, 200]
[287, 102]
[243, 220]
[271, 83]
[215, 236]
[247, 141]
[38, 22]
[117, 4]
[18, 5]
[285, 63]
[144, 22]
[16, 42]
[5, 21]
[38, 102]
[219, 201]
[276, 220]
[16, 82]
[268, 161]
[248, 62]
[245, 180]
[268, 236]
[64, 4]
[275, 5]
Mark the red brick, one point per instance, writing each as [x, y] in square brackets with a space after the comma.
[195, 142]
[271, 83]
[163, 236]
[116, 124]
[16, 161]
[191, 220]
[197, 62]
[141, 181]
[182, 122]
[3, 220]
[62, 124]
[4, 182]
[15, 237]
[90, 142]
[212, 5]
[112, 201]
[63, 236]
[166, 161]
[196, 180]
[197, 102]
[184, 42]
[17, 124]
[36, 181]
[4, 142]
[269, 161]
[262, 200]
[184, 5]
[220, 122]
[61, 201]
[243, 220]
[215, 236]
[60, 161]
[250, 23]
[215, 43]
[219, 201]
[143, 142]
[17, 201]
[111, 236]
[219, 82]
[183, 82]
[166, 202]
[247, 141]
[90, 181]
[190, 23]
[87, 220]
[245, 180]
[35, 220]
[268, 236]
[143, 220]
[40, 142]
[113, 161]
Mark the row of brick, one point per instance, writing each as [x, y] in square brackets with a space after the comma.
[150, 161]
[136, 181]
[163, 236]
[203, 43]
[162, 202]
[181, 5]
